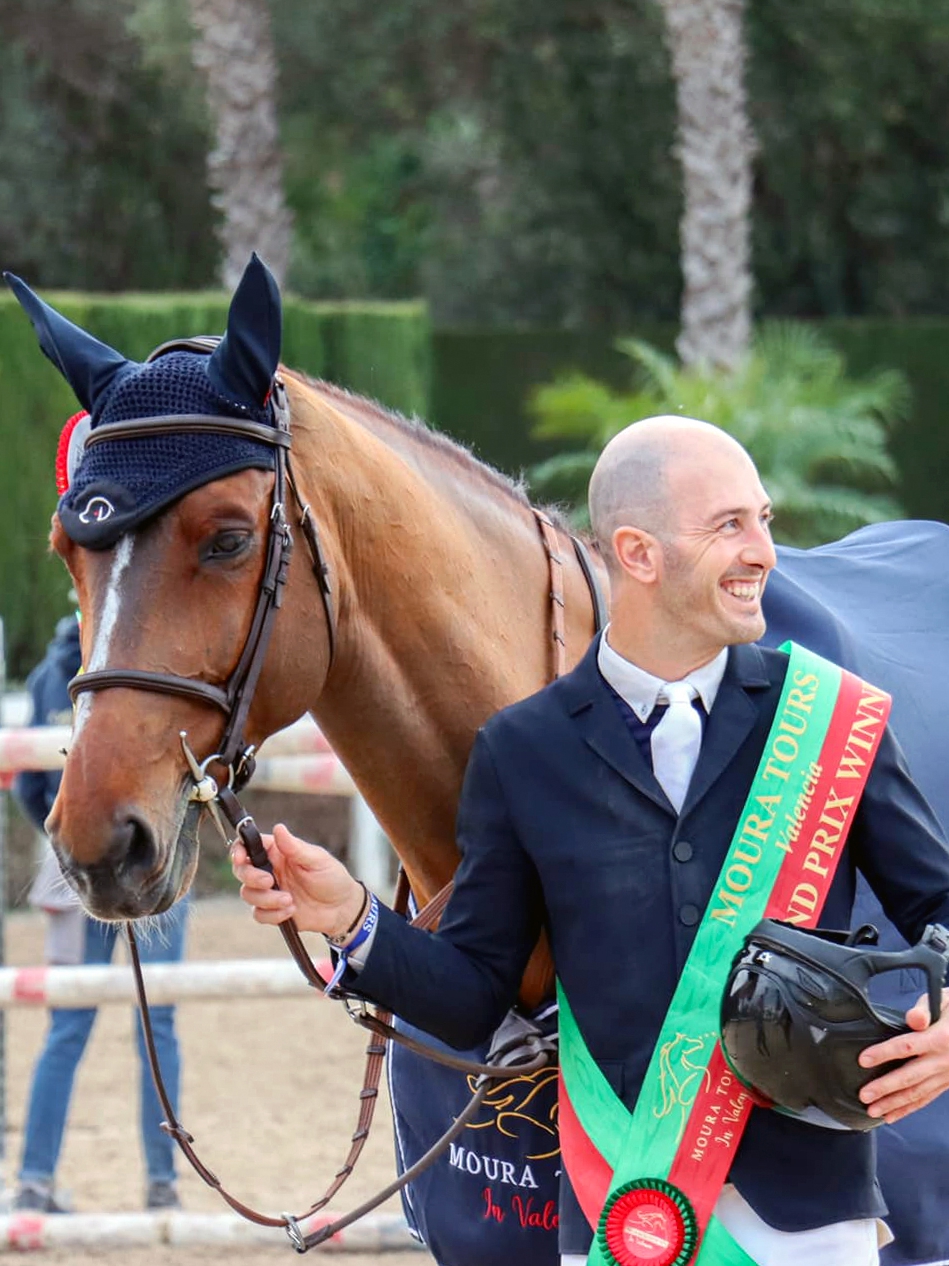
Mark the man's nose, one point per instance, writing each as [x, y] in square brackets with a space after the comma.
[759, 547]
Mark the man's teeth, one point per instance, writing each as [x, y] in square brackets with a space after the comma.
[747, 590]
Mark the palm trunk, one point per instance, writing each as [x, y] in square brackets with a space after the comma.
[715, 148]
[234, 48]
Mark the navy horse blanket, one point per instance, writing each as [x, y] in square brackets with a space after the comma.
[877, 603]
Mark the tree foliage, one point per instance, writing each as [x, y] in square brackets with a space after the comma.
[515, 162]
[817, 435]
[510, 162]
[852, 204]
[102, 141]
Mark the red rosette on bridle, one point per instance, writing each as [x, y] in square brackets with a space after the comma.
[62, 451]
[648, 1222]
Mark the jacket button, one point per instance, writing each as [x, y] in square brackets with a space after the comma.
[682, 851]
[689, 915]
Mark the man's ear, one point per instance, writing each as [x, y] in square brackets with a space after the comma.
[638, 553]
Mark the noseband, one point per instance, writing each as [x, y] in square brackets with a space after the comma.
[234, 698]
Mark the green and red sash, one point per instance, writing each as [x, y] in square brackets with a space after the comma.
[648, 1181]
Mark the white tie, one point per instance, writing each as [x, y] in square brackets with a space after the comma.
[676, 740]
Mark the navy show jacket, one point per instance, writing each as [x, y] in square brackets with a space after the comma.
[562, 825]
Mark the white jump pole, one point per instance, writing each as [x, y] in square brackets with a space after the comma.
[297, 759]
[165, 983]
[369, 849]
[43, 745]
[323, 774]
[298, 755]
[19, 1232]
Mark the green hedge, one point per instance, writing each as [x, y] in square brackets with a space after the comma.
[482, 379]
[920, 348]
[379, 350]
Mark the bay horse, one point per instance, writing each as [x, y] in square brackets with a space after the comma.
[440, 615]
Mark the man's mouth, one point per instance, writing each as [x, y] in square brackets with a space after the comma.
[747, 591]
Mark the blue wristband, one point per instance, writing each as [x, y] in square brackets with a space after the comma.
[363, 935]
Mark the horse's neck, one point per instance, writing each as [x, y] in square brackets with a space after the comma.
[442, 586]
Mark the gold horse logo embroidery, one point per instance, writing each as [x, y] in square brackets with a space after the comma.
[682, 1069]
[512, 1108]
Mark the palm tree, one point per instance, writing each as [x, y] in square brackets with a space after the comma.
[715, 148]
[234, 48]
[817, 436]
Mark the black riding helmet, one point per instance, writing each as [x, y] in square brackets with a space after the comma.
[795, 1014]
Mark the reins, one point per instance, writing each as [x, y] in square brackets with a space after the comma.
[529, 1050]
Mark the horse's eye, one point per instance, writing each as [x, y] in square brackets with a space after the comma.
[225, 545]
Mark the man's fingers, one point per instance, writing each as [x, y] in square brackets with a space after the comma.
[892, 1107]
[272, 917]
[903, 1046]
[266, 898]
[294, 850]
[253, 878]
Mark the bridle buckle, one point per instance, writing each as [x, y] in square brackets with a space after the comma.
[205, 788]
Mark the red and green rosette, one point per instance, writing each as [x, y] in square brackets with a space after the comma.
[647, 1222]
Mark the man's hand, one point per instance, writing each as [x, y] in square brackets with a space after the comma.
[923, 1078]
[315, 889]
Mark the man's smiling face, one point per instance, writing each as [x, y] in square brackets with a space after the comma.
[718, 555]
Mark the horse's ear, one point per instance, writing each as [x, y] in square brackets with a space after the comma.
[246, 359]
[87, 365]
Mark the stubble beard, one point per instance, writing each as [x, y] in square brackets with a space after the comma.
[715, 626]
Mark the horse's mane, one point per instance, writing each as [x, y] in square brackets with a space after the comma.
[361, 408]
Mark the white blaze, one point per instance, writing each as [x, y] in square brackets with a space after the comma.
[106, 627]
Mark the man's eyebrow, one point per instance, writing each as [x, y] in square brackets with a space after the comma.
[735, 512]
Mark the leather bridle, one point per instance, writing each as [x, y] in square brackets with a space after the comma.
[527, 1055]
[235, 697]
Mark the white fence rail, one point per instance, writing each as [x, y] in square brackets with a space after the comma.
[166, 983]
[21, 1232]
[295, 759]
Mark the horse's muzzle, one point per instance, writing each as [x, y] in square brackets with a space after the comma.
[134, 878]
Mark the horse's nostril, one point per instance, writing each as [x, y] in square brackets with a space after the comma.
[135, 849]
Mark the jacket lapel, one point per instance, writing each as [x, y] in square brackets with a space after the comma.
[736, 709]
[601, 724]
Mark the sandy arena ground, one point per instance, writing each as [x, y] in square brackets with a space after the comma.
[269, 1091]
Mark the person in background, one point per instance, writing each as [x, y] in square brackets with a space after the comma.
[73, 937]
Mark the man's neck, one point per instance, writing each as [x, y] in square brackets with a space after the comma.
[664, 660]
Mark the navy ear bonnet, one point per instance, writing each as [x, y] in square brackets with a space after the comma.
[117, 485]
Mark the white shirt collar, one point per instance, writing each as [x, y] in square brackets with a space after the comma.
[639, 689]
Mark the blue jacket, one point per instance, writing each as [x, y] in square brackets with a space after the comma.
[36, 790]
[563, 825]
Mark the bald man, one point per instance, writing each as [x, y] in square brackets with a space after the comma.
[581, 813]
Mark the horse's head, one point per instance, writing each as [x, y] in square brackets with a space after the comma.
[171, 523]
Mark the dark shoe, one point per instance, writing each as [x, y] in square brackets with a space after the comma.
[40, 1200]
[162, 1195]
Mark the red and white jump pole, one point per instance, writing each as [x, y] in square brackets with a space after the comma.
[22, 1232]
[165, 983]
[295, 759]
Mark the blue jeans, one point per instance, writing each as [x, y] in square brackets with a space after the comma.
[66, 1039]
